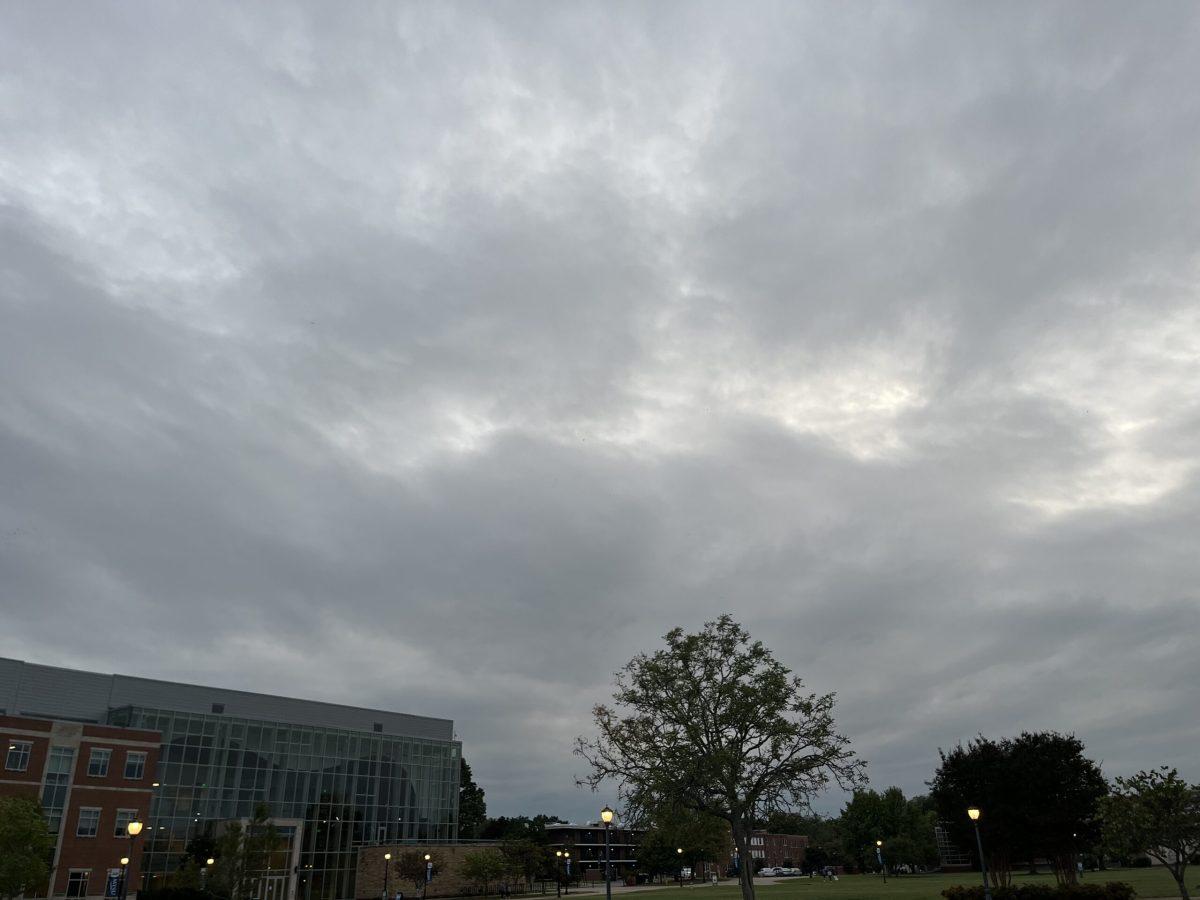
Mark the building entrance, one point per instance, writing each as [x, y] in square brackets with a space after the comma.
[272, 887]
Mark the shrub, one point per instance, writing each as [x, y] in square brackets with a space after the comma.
[1112, 890]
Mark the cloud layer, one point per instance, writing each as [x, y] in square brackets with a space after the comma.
[443, 357]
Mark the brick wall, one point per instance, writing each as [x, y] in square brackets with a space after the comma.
[447, 882]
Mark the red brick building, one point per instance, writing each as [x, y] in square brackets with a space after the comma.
[91, 781]
[778, 849]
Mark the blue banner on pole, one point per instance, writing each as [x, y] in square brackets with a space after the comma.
[113, 887]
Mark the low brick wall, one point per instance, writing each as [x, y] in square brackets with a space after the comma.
[447, 882]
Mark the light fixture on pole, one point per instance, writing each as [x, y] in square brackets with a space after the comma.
[204, 873]
[973, 813]
[879, 856]
[606, 816]
[428, 875]
[567, 880]
[558, 873]
[133, 829]
[387, 871]
[679, 854]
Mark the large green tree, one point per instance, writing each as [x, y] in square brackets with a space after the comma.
[472, 809]
[411, 866]
[483, 868]
[243, 853]
[1156, 813]
[905, 826]
[715, 724]
[1039, 795]
[25, 846]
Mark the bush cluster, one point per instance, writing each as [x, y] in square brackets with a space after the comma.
[1110, 890]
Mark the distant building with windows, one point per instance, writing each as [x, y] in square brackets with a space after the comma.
[333, 778]
[92, 780]
[586, 845]
[785, 850]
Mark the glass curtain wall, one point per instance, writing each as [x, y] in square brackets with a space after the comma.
[345, 788]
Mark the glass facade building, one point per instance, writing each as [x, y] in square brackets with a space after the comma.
[332, 790]
[333, 777]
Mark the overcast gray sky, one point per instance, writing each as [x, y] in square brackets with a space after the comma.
[442, 357]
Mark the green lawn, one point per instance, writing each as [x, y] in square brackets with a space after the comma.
[1152, 882]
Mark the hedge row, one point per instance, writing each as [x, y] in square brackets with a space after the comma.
[1111, 890]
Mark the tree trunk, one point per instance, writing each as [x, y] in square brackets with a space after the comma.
[741, 840]
[1178, 872]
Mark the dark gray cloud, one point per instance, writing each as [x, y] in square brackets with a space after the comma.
[442, 358]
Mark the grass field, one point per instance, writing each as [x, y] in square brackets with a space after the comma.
[1152, 882]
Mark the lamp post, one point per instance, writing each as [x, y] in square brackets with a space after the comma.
[879, 856]
[679, 866]
[567, 880]
[974, 813]
[428, 875]
[204, 873]
[387, 871]
[606, 816]
[133, 829]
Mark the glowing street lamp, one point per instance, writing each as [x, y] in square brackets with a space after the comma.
[204, 873]
[387, 871]
[606, 816]
[973, 812]
[133, 829]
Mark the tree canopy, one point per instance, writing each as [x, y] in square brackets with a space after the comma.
[410, 866]
[472, 809]
[483, 868]
[1038, 793]
[1156, 813]
[713, 723]
[25, 846]
[905, 826]
[243, 853]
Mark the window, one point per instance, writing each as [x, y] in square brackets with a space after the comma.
[124, 817]
[98, 762]
[54, 786]
[135, 765]
[77, 882]
[18, 756]
[89, 822]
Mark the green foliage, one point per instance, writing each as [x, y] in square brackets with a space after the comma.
[1039, 795]
[527, 860]
[906, 828]
[701, 837]
[472, 810]
[410, 866]
[483, 868]
[1156, 813]
[657, 853]
[714, 724]
[25, 846]
[515, 828]
[1112, 890]
[242, 852]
